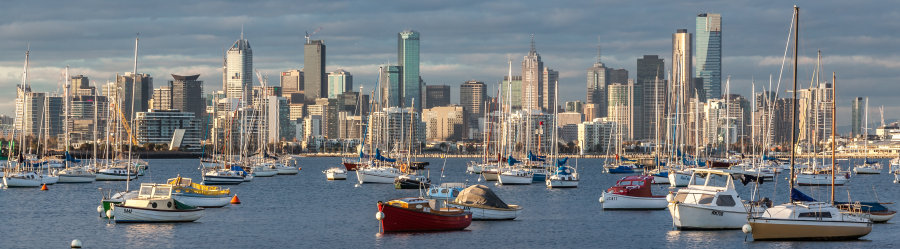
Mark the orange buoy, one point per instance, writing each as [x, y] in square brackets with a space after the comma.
[235, 200]
[44, 187]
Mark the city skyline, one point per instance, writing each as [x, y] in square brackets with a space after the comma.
[449, 55]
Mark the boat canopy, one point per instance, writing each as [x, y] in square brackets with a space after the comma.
[535, 158]
[70, 158]
[865, 206]
[511, 161]
[796, 195]
[480, 195]
[561, 162]
[379, 157]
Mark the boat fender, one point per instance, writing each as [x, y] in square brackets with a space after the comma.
[746, 228]
[670, 197]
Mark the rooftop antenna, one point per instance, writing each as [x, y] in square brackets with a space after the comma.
[532, 44]
[242, 31]
[599, 51]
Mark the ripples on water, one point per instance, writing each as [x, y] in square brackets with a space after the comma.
[307, 211]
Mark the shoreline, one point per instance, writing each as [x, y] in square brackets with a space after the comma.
[180, 155]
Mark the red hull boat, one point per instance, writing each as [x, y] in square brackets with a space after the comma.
[416, 214]
[351, 166]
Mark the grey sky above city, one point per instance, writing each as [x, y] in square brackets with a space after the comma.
[460, 40]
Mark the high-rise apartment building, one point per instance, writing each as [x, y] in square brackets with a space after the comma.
[315, 83]
[473, 96]
[162, 98]
[597, 80]
[709, 54]
[444, 123]
[621, 108]
[80, 85]
[339, 81]
[408, 58]
[239, 70]
[187, 94]
[511, 91]
[437, 95]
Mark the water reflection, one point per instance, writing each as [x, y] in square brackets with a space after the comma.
[148, 235]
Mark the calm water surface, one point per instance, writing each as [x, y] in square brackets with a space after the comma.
[306, 211]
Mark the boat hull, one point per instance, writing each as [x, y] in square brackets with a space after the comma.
[203, 201]
[265, 173]
[370, 178]
[490, 175]
[14, 182]
[820, 180]
[779, 229]
[677, 179]
[222, 180]
[624, 202]
[402, 220]
[77, 178]
[699, 217]
[114, 177]
[288, 170]
[483, 213]
[336, 176]
[554, 183]
[124, 214]
[866, 170]
[508, 179]
[351, 166]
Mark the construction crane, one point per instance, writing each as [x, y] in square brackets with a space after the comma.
[313, 33]
[125, 124]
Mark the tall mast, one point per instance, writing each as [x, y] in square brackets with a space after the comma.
[833, 125]
[134, 78]
[66, 113]
[794, 100]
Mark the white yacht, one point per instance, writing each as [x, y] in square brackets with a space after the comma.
[709, 202]
[383, 174]
[808, 220]
[515, 176]
[76, 175]
[335, 173]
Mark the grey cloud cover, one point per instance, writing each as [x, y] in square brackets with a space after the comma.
[461, 40]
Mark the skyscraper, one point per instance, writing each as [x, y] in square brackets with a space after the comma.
[292, 81]
[597, 80]
[437, 95]
[550, 78]
[162, 98]
[315, 84]
[651, 102]
[621, 103]
[709, 54]
[142, 91]
[339, 81]
[682, 66]
[391, 86]
[80, 85]
[408, 58]
[857, 116]
[514, 90]
[187, 94]
[239, 70]
[532, 80]
[472, 96]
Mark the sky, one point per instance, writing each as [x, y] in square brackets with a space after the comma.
[460, 40]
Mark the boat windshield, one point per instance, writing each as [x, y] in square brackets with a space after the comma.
[717, 180]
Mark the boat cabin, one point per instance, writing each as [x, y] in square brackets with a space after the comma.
[153, 196]
[638, 186]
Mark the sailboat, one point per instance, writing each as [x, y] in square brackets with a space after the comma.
[23, 174]
[804, 218]
[511, 175]
[73, 173]
[563, 176]
[867, 167]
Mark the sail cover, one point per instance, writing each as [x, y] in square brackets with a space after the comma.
[480, 195]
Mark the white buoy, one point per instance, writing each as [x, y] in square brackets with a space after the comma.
[602, 199]
[100, 209]
[109, 214]
[670, 197]
[746, 228]
[76, 243]
[379, 216]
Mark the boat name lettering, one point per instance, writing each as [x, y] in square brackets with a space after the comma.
[718, 213]
[127, 210]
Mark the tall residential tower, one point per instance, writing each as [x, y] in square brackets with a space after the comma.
[709, 54]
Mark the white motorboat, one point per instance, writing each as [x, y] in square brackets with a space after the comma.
[76, 175]
[564, 177]
[820, 178]
[107, 202]
[154, 203]
[223, 177]
[632, 192]
[808, 221]
[868, 168]
[490, 174]
[484, 204]
[446, 191]
[264, 170]
[188, 192]
[709, 202]
[515, 176]
[384, 174]
[335, 173]
[286, 170]
[115, 174]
